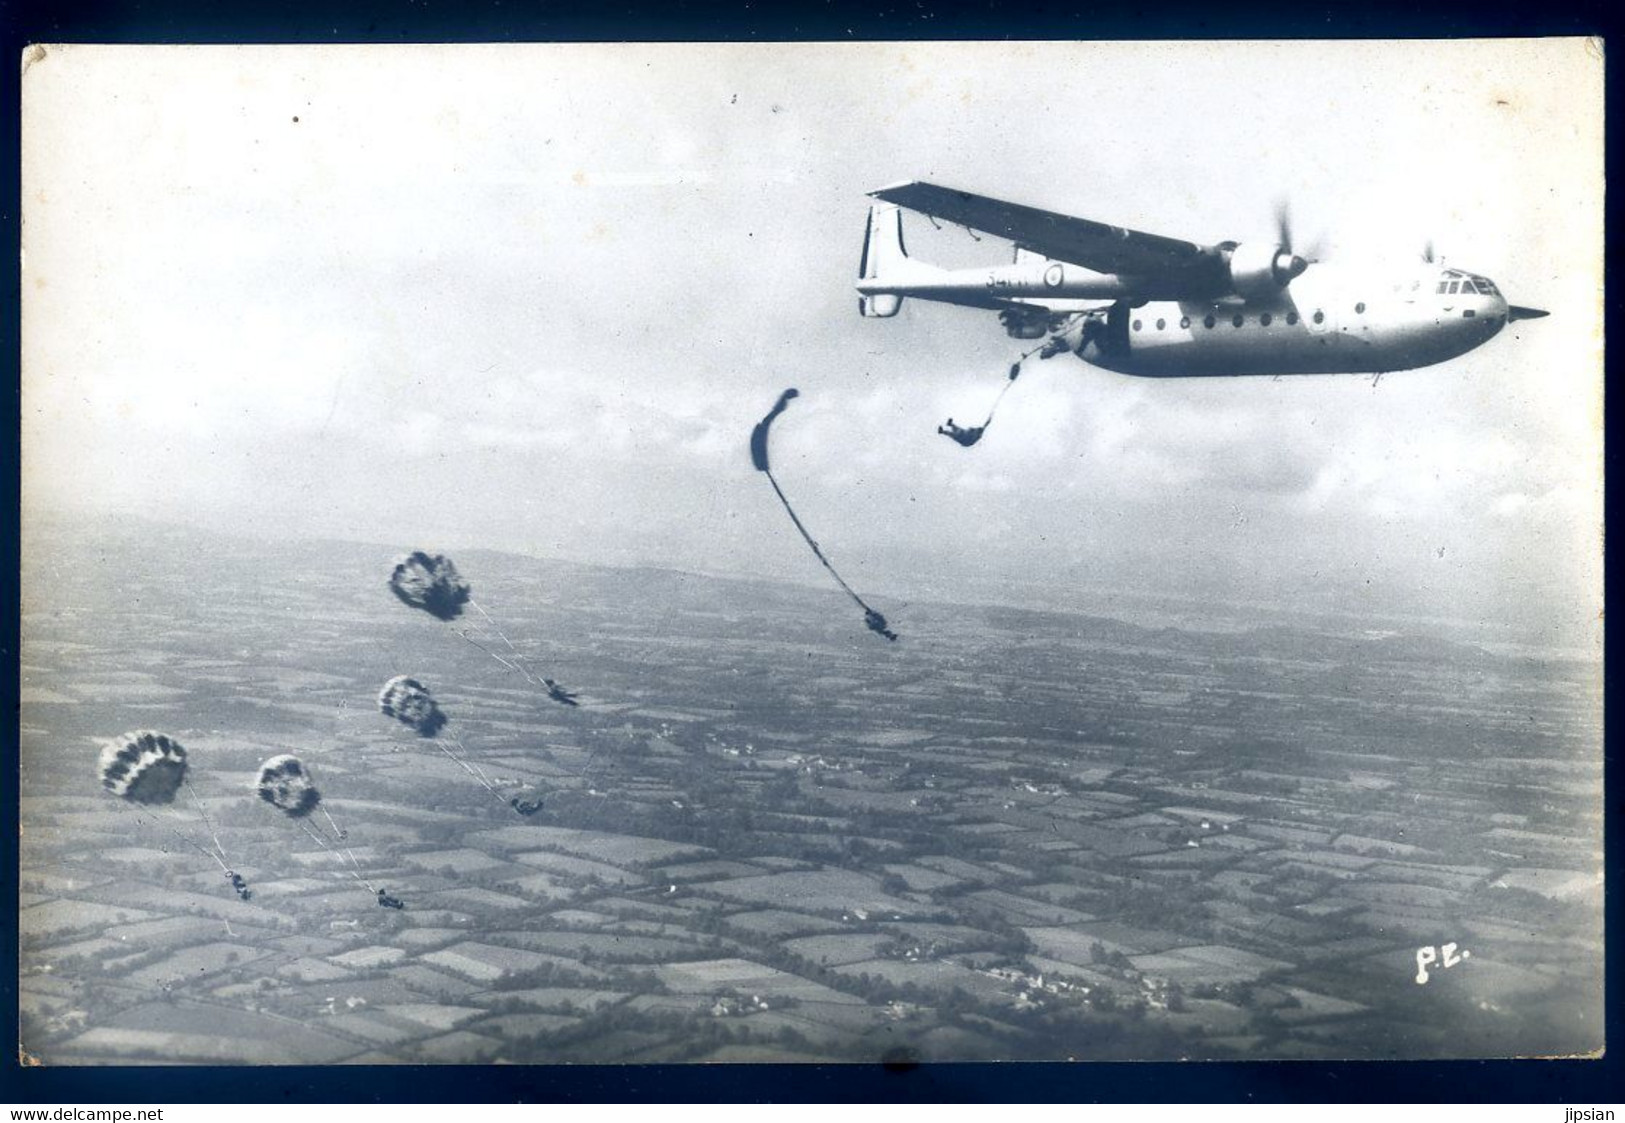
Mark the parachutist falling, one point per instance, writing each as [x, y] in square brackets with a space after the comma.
[388, 902]
[758, 457]
[526, 807]
[966, 437]
[559, 694]
[877, 623]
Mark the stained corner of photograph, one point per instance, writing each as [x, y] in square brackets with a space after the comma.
[808, 552]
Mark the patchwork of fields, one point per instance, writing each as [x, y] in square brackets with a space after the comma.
[767, 835]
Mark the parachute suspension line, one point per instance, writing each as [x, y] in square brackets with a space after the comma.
[340, 834]
[315, 836]
[517, 659]
[207, 823]
[968, 437]
[506, 663]
[586, 775]
[554, 691]
[472, 763]
[184, 837]
[337, 831]
[819, 553]
[999, 397]
[467, 767]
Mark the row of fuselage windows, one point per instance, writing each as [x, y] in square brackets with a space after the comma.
[1264, 319]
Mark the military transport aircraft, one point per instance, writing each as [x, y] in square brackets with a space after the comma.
[1147, 305]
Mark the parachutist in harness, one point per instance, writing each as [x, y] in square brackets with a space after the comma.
[526, 806]
[388, 902]
[969, 435]
[559, 694]
[239, 884]
[877, 623]
[1076, 335]
[964, 436]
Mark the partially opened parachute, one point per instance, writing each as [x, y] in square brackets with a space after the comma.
[285, 784]
[143, 767]
[758, 435]
[873, 620]
[430, 582]
[408, 701]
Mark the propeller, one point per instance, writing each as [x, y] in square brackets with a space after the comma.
[1283, 225]
[1283, 231]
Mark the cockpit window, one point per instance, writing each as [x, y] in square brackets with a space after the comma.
[1453, 286]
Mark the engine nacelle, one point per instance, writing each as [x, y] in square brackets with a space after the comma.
[1261, 268]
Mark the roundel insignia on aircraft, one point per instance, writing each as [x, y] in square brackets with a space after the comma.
[1054, 275]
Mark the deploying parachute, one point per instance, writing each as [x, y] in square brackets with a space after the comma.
[873, 620]
[286, 783]
[408, 701]
[149, 769]
[1080, 330]
[432, 583]
[969, 436]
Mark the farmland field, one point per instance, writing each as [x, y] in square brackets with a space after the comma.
[1011, 835]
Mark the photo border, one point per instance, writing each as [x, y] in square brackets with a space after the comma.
[328, 21]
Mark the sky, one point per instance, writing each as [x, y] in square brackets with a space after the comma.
[534, 298]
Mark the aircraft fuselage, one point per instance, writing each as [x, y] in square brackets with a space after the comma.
[1327, 321]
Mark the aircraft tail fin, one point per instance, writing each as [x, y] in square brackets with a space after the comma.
[883, 253]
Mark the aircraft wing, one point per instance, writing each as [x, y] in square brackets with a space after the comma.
[1093, 245]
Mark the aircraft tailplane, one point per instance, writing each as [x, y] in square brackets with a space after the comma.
[883, 254]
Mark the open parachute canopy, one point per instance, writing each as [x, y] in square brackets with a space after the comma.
[408, 701]
[285, 784]
[430, 582]
[143, 767]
